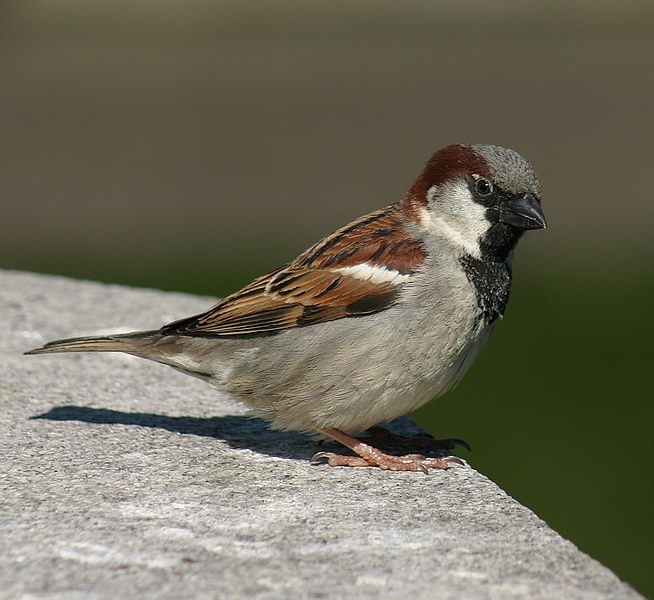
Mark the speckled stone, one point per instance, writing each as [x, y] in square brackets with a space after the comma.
[124, 479]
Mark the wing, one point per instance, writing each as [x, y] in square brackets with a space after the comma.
[358, 270]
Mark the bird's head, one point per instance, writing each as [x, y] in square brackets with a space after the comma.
[481, 198]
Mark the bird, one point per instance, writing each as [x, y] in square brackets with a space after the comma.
[373, 321]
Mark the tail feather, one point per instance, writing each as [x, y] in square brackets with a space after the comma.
[128, 342]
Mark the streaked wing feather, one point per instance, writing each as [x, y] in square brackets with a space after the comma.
[310, 290]
[309, 297]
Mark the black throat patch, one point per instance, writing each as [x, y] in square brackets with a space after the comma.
[492, 282]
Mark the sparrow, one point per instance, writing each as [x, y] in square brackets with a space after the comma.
[373, 321]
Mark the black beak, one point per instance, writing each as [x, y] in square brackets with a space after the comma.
[523, 213]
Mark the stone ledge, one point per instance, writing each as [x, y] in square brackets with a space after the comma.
[124, 479]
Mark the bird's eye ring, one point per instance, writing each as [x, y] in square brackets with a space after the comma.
[483, 187]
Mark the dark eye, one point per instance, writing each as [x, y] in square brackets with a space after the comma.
[483, 187]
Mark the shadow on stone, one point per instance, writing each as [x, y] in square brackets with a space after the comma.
[236, 430]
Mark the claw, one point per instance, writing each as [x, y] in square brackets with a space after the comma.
[318, 457]
[454, 460]
[462, 443]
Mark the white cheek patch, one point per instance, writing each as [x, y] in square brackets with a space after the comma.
[454, 215]
[374, 274]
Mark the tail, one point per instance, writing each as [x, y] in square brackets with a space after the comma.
[131, 343]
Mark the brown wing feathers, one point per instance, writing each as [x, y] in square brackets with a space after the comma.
[311, 290]
[377, 239]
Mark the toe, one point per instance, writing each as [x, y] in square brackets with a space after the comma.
[319, 457]
[458, 442]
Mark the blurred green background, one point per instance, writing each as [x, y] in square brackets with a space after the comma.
[193, 145]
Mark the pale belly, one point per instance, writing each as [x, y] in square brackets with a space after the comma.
[352, 380]
[401, 390]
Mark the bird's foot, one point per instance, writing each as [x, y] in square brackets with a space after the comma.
[369, 456]
[407, 462]
[380, 436]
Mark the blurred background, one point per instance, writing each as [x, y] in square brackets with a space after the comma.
[193, 145]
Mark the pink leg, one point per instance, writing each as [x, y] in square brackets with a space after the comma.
[369, 456]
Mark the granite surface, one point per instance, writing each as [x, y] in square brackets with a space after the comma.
[125, 479]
